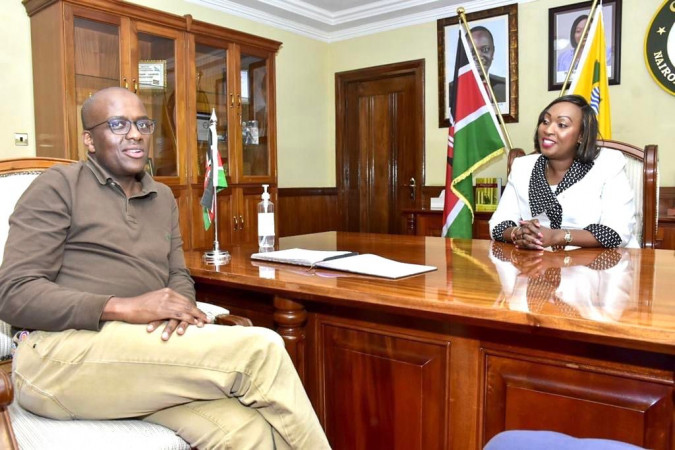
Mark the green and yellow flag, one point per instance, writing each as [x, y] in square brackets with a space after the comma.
[590, 79]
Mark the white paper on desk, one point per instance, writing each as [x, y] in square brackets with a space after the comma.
[374, 265]
[298, 256]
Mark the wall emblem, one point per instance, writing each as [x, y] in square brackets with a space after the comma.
[660, 47]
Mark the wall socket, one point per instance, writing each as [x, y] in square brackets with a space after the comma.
[20, 138]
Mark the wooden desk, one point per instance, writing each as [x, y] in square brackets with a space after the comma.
[450, 358]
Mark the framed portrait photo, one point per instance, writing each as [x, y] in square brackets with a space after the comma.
[565, 27]
[496, 30]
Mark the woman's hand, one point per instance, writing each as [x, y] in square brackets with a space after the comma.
[529, 235]
[533, 236]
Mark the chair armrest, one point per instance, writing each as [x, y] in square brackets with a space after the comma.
[7, 438]
[6, 390]
[229, 319]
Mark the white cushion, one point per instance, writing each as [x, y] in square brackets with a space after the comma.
[12, 186]
[35, 432]
[634, 169]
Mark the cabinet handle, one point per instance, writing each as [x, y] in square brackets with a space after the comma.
[231, 100]
[126, 85]
[239, 100]
[241, 222]
[236, 223]
[135, 86]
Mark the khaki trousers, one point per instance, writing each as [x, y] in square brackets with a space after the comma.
[216, 386]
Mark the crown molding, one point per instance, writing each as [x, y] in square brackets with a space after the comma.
[332, 27]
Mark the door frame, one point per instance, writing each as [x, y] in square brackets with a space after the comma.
[342, 80]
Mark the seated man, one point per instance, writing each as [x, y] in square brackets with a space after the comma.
[94, 264]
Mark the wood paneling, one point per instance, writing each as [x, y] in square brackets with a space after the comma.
[557, 395]
[307, 210]
[391, 378]
[665, 236]
[428, 222]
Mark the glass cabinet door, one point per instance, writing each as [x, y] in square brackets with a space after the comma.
[97, 64]
[254, 116]
[156, 86]
[211, 95]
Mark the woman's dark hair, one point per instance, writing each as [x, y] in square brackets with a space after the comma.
[587, 149]
[573, 41]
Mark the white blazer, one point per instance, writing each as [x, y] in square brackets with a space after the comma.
[603, 196]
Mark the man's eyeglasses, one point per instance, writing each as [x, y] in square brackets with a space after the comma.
[122, 126]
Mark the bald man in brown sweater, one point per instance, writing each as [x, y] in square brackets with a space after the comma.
[93, 266]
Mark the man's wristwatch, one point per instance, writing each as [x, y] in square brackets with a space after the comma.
[568, 237]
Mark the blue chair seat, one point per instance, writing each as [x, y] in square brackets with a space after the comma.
[550, 440]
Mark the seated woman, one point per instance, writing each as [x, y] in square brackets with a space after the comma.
[570, 192]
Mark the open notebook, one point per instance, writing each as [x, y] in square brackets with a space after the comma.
[366, 264]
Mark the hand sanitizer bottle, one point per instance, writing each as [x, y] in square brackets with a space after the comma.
[266, 221]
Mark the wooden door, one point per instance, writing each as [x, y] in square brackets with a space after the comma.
[380, 145]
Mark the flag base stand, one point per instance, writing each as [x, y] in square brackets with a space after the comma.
[216, 256]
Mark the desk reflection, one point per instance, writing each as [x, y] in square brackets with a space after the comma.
[594, 285]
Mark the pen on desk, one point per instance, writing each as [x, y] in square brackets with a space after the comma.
[339, 256]
[333, 257]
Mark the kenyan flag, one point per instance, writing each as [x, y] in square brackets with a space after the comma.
[474, 138]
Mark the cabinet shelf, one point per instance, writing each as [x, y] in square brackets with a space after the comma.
[233, 72]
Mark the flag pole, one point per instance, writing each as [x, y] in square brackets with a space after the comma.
[493, 98]
[215, 256]
[578, 48]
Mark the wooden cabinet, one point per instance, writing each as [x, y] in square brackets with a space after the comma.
[429, 222]
[392, 378]
[182, 70]
[526, 391]
[237, 216]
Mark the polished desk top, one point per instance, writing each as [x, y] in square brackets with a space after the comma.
[621, 296]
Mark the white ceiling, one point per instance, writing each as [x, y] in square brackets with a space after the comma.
[335, 20]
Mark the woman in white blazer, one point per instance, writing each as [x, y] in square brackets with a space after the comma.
[570, 192]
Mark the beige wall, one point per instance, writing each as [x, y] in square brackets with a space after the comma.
[641, 111]
[16, 81]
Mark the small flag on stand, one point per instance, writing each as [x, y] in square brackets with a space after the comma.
[214, 178]
[474, 138]
[590, 80]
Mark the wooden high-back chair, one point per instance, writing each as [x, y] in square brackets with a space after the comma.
[642, 169]
[21, 429]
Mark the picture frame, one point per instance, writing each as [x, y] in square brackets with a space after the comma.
[502, 24]
[152, 74]
[563, 21]
[203, 123]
